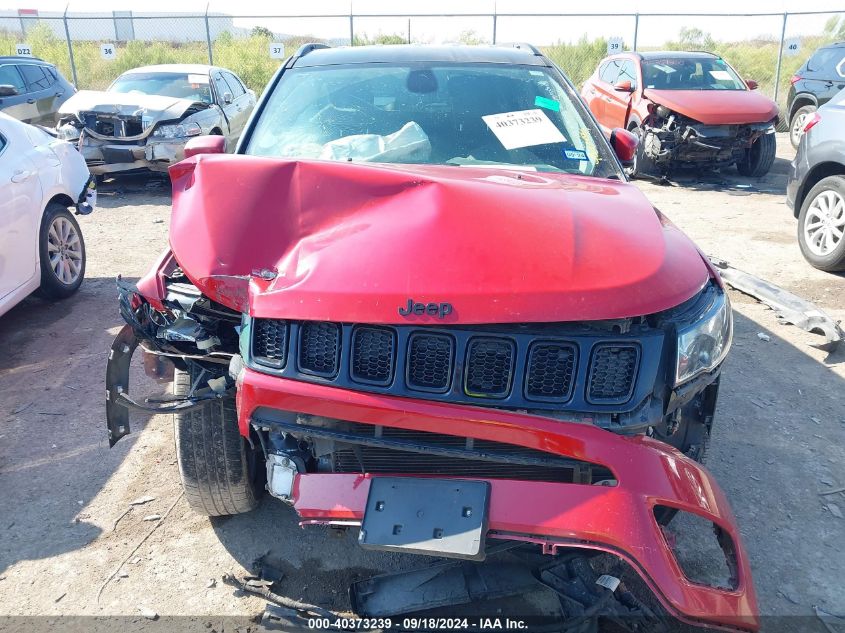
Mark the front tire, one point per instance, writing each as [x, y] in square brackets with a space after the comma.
[797, 123]
[643, 165]
[220, 472]
[821, 225]
[758, 159]
[61, 251]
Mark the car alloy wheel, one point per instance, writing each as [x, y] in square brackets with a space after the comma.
[798, 124]
[65, 250]
[824, 222]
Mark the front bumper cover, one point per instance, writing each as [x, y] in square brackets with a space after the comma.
[617, 519]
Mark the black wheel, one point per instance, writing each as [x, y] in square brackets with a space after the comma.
[757, 159]
[220, 472]
[642, 165]
[821, 224]
[61, 251]
[797, 123]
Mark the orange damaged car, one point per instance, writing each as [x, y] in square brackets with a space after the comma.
[689, 109]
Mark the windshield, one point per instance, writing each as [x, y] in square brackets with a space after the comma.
[678, 73]
[479, 115]
[178, 85]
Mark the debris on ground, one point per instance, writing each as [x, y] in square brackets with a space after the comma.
[152, 517]
[764, 337]
[832, 492]
[148, 613]
[142, 500]
[117, 520]
[212, 582]
[60, 596]
[834, 510]
[789, 308]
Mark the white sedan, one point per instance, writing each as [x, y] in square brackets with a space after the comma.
[41, 246]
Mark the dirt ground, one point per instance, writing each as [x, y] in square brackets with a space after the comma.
[779, 439]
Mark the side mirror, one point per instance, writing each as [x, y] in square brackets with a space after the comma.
[207, 144]
[624, 145]
[227, 97]
[8, 91]
[624, 86]
[752, 85]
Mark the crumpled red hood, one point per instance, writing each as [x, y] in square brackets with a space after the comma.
[717, 107]
[352, 242]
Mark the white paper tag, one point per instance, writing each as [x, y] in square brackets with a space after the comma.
[277, 50]
[197, 79]
[107, 51]
[23, 50]
[609, 582]
[614, 45]
[523, 128]
[791, 46]
[721, 75]
[666, 69]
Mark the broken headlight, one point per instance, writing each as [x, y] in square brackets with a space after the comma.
[705, 343]
[176, 131]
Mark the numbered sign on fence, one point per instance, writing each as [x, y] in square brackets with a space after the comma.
[23, 49]
[791, 46]
[277, 50]
[107, 51]
[614, 45]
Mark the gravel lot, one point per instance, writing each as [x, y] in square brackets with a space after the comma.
[779, 437]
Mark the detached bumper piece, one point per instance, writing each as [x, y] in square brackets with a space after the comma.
[616, 517]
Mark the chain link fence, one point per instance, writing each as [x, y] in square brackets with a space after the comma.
[92, 49]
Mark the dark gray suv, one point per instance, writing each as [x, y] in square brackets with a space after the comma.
[816, 188]
[31, 90]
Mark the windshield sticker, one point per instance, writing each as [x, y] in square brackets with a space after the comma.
[664, 68]
[523, 128]
[575, 154]
[721, 75]
[549, 104]
[197, 79]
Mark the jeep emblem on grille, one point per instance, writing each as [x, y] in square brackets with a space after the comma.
[439, 310]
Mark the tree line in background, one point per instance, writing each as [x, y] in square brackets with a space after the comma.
[248, 56]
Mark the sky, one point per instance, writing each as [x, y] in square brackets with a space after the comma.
[652, 31]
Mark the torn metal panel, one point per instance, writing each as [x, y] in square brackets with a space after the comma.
[789, 308]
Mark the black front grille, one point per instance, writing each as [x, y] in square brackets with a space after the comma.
[489, 367]
[270, 342]
[372, 355]
[384, 460]
[319, 348]
[527, 367]
[551, 368]
[430, 358]
[612, 371]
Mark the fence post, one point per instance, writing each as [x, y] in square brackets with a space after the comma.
[351, 29]
[780, 56]
[208, 38]
[636, 30]
[495, 18]
[70, 50]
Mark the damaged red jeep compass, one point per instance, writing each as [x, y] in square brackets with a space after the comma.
[422, 299]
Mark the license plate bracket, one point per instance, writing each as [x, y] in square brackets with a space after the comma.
[435, 517]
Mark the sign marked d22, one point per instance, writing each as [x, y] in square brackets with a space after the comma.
[277, 50]
[108, 51]
[614, 45]
[23, 50]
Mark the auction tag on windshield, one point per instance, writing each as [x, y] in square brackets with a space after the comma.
[107, 51]
[614, 45]
[721, 75]
[523, 128]
[197, 79]
[277, 50]
[23, 50]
